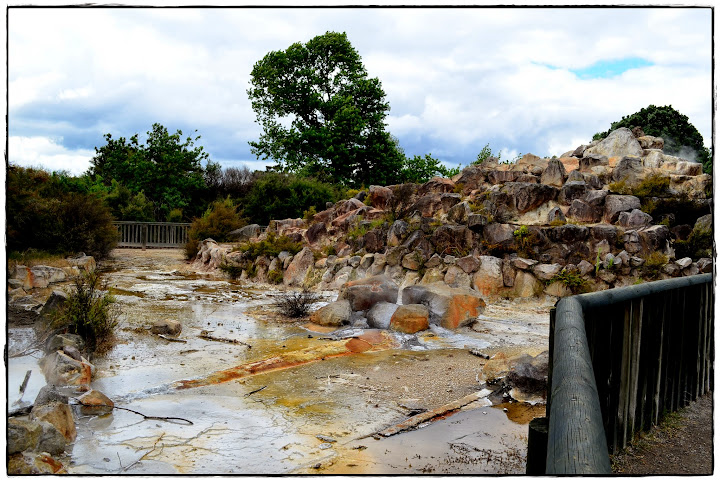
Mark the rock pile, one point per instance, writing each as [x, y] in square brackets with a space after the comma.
[607, 214]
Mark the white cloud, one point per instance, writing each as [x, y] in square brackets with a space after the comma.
[47, 153]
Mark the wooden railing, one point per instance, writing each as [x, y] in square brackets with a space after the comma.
[152, 234]
[619, 360]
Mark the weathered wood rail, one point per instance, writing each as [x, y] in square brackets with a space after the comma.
[152, 234]
[619, 360]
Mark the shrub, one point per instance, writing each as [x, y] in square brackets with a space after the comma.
[572, 280]
[309, 214]
[232, 270]
[698, 244]
[654, 185]
[89, 311]
[271, 246]
[296, 303]
[620, 187]
[653, 264]
[175, 215]
[217, 222]
[275, 276]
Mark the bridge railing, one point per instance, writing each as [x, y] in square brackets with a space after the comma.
[152, 234]
[621, 358]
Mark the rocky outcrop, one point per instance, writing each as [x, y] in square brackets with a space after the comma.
[449, 307]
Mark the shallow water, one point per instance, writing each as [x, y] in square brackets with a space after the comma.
[267, 422]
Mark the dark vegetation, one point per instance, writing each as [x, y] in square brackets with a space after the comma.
[296, 303]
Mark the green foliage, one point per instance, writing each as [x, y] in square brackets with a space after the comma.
[175, 215]
[281, 196]
[166, 169]
[139, 209]
[90, 311]
[42, 214]
[321, 115]
[329, 250]
[421, 169]
[275, 276]
[620, 187]
[598, 263]
[216, 223]
[232, 270]
[309, 214]
[524, 239]
[485, 153]
[654, 185]
[699, 244]
[572, 280]
[681, 137]
[653, 264]
[271, 246]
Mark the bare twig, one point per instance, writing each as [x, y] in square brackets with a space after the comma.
[25, 382]
[208, 335]
[144, 455]
[256, 390]
[157, 418]
[172, 339]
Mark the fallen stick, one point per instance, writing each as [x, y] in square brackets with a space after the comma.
[429, 415]
[256, 390]
[206, 335]
[172, 339]
[25, 383]
[157, 418]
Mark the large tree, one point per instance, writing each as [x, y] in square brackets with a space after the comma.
[166, 169]
[321, 115]
[680, 136]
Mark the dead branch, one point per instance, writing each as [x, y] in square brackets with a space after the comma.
[171, 339]
[156, 418]
[256, 390]
[208, 336]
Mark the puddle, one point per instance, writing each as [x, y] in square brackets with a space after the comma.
[258, 409]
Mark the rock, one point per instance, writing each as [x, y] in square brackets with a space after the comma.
[394, 255]
[459, 213]
[528, 375]
[602, 232]
[636, 261]
[634, 219]
[572, 190]
[671, 269]
[58, 341]
[62, 370]
[545, 272]
[434, 261]
[59, 415]
[56, 301]
[412, 261]
[38, 276]
[596, 198]
[622, 259]
[95, 402]
[448, 307]
[584, 212]
[691, 270]
[508, 273]
[476, 222]
[469, 264]
[315, 233]
[614, 204]
[502, 176]
[397, 233]
[650, 142]
[609, 261]
[410, 318]
[684, 262]
[653, 238]
[380, 196]
[526, 285]
[170, 327]
[620, 142]
[378, 317]
[556, 215]
[568, 233]
[22, 435]
[688, 168]
[367, 261]
[628, 169]
[488, 280]
[72, 352]
[437, 185]
[554, 174]
[83, 262]
[244, 234]
[34, 463]
[585, 268]
[452, 238]
[297, 270]
[705, 265]
[499, 234]
[590, 161]
[523, 264]
[354, 261]
[526, 197]
[349, 205]
[50, 394]
[363, 294]
[434, 204]
[334, 314]
[433, 275]
[456, 277]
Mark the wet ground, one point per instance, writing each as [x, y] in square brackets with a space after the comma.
[300, 399]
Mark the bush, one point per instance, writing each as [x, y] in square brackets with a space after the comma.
[296, 303]
[275, 276]
[217, 222]
[572, 280]
[175, 215]
[89, 311]
[653, 264]
[232, 270]
[654, 185]
[271, 246]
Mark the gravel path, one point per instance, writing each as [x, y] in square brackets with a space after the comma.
[683, 444]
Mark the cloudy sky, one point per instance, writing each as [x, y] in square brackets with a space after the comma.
[540, 80]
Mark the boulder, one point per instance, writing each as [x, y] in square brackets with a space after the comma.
[584, 212]
[434, 204]
[614, 204]
[572, 190]
[378, 317]
[316, 232]
[83, 262]
[38, 276]
[526, 197]
[556, 216]
[476, 222]
[554, 174]
[684, 262]
[58, 341]
[469, 264]
[628, 169]
[620, 142]
[95, 402]
[654, 238]
[297, 269]
[705, 265]
[590, 161]
[449, 307]
[602, 232]
[380, 196]
[501, 176]
[56, 301]
[34, 463]
[459, 213]
[585, 268]
[413, 261]
[210, 256]
[545, 272]
[634, 219]
[688, 168]
[50, 394]
[452, 238]
[22, 435]
[59, 415]
[568, 233]
[336, 313]
[650, 142]
[62, 370]
[528, 376]
[499, 234]
[526, 285]
[397, 233]
[523, 264]
[170, 327]
[456, 277]
[363, 294]
[410, 318]
[488, 280]
[437, 185]
[244, 234]
[349, 205]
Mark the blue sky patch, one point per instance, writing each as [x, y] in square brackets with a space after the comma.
[610, 68]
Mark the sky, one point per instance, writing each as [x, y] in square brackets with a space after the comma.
[523, 80]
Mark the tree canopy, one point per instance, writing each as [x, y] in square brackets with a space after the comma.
[321, 115]
[681, 137]
[166, 170]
